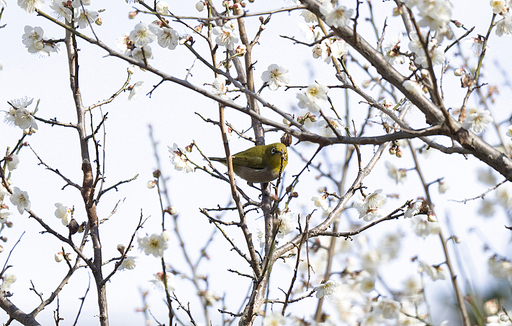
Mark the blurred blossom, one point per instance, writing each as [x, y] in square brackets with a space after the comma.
[371, 260]
[504, 197]
[320, 201]
[337, 124]
[422, 227]
[399, 175]
[412, 285]
[128, 263]
[8, 280]
[500, 268]
[443, 187]
[159, 281]
[30, 5]
[486, 176]
[274, 319]
[486, 208]
[390, 309]
[286, 224]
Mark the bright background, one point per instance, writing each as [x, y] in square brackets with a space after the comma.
[171, 113]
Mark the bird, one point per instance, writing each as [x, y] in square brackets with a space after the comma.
[258, 164]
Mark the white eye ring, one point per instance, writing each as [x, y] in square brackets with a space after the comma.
[273, 151]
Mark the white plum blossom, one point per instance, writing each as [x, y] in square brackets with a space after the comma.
[142, 35]
[412, 285]
[399, 175]
[62, 212]
[20, 199]
[275, 76]
[500, 268]
[313, 97]
[143, 53]
[162, 7]
[61, 10]
[434, 272]
[79, 3]
[337, 124]
[422, 227]
[436, 55]
[509, 131]
[200, 6]
[167, 37]
[274, 319]
[135, 90]
[371, 260]
[504, 26]
[392, 50]
[370, 207]
[33, 38]
[128, 263]
[487, 208]
[321, 50]
[86, 17]
[4, 214]
[413, 209]
[368, 284]
[435, 14]
[226, 35]
[320, 201]
[339, 48]
[335, 16]
[125, 45]
[499, 6]
[328, 288]
[154, 244]
[308, 16]
[413, 87]
[390, 309]
[179, 160]
[286, 224]
[477, 119]
[158, 281]
[12, 162]
[30, 5]
[310, 33]
[8, 279]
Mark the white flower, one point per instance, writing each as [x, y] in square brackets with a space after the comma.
[368, 284]
[20, 200]
[412, 285]
[30, 5]
[261, 233]
[86, 17]
[335, 17]
[313, 97]
[33, 38]
[8, 279]
[309, 32]
[413, 209]
[477, 119]
[179, 160]
[153, 245]
[3, 192]
[286, 224]
[79, 3]
[62, 212]
[134, 92]
[504, 197]
[125, 45]
[369, 207]
[309, 17]
[24, 120]
[320, 201]
[167, 37]
[275, 319]
[487, 209]
[499, 6]
[276, 76]
[12, 162]
[442, 187]
[4, 214]
[392, 50]
[504, 26]
[142, 35]
[434, 272]
[337, 124]
[162, 7]
[390, 309]
[422, 227]
[436, 55]
[509, 131]
[338, 48]
[58, 256]
[435, 14]
[226, 35]
[371, 260]
[61, 10]
[321, 50]
[159, 281]
[413, 87]
[328, 288]
[219, 85]
[128, 263]
[142, 53]
[399, 175]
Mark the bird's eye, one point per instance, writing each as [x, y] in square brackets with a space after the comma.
[273, 151]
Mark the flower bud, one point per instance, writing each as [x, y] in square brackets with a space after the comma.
[157, 173]
[99, 21]
[241, 49]
[397, 11]
[131, 70]
[200, 6]
[132, 14]
[458, 72]
[58, 257]
[431, 217]
[121, 248]
[398, 152]
[152, 184]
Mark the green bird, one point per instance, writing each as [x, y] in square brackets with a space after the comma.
[258, 164]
